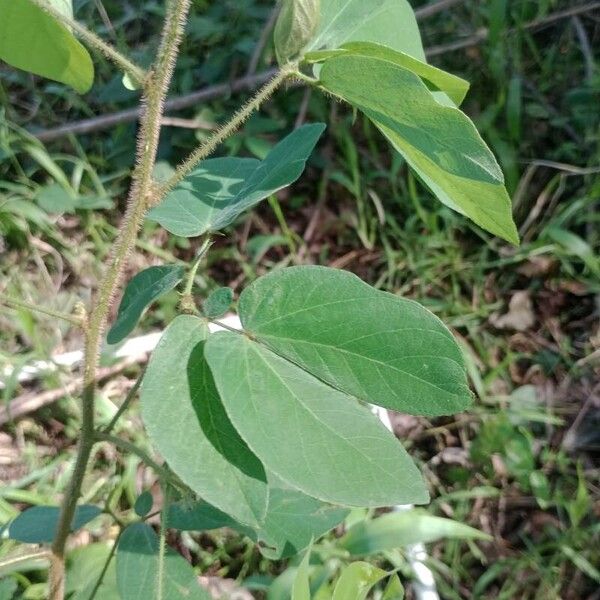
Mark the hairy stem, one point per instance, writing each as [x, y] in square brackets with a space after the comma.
[16, 303]
[156, 87]
[136, 73]
[212, 143]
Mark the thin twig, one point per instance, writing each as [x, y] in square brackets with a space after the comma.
[212, 92]
[126, 403]
[263, 40]
[16, 303]
[136, 73]
[210, 145]
[433, 8]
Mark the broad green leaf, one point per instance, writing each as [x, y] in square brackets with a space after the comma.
[301, 587]
[293, 520]
[390, 23]
[371, 344]
[356, 581]
[143, 289]
[38, 524]
[439, 142]
[218, 303]
[32, 40]
[399, 529]
[189, 426]
[435, 79]
[394, 590]
[220, 189]
[296, 24]
[138, 568]
[8, 587]
[313, 437]
[54, 199]
[143, 504]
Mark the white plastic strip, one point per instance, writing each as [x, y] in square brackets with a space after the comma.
[424, 582]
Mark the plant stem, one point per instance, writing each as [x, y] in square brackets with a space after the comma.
[136, 73]
[126, 403]
[15, 303]
[187, 300]
[130, 447]
[212, 143]
[162, 541]
[156, 87]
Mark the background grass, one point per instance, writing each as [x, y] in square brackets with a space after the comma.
[523, 464]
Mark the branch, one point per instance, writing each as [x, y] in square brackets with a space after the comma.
[156, 87]
[78, 321]
[136, 73]
[210, 145]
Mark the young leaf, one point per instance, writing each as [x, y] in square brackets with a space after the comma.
[220, 189]
[295, 27]
[218, 303]
[356, 581]
[32, 40]
[301, 586]
[84, 568]
[37, 525]
[189, 426]
[138, 565]
[373, 345]
[435, 79]
[143, 289]
[143, 504]
[439, 142]
[390, 23]
[399, 529]
[313, 437]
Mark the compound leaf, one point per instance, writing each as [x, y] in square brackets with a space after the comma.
[189, 426]
[373, 345]
[32, 40]
[143, 289]
[311, 436]
[400, 529]
[439, 142]
[138, 567]
[220, 189]
[37, 525]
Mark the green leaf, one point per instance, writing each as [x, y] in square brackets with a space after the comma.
[54, 199]
[356, 581]
[38, 524]
[390, 23]
[201, 516]
[296, 24]
[439, 142]
[301, 586]
[293, 520]
[435, 79]
[220, 189]
[218, 303]
[8, 587]
[143, 504]
[143, 289]
[400, 529]
[32, 40]
[189, 426]
[138, 567]
[371, 344]
[313, 437]
[394, 590]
